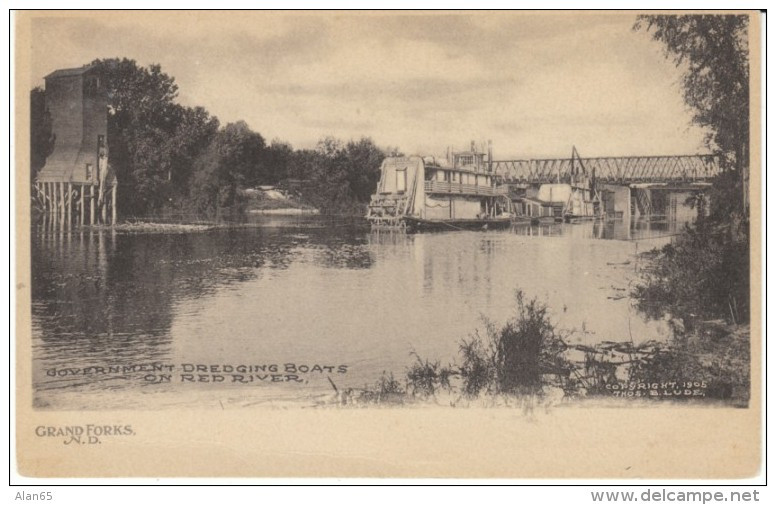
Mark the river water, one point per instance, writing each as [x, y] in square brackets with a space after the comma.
[119, 320]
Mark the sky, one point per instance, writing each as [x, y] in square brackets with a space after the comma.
[534, 84]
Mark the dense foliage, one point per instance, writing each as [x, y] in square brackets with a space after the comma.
[713, 52]
[705, 273]
[153, 140]
[175, 159]
[340, 177]
[219, 173]
[41, 137]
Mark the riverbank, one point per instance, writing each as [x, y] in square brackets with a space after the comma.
[699, 284]
[265, 219]
[275, 201]
[286, 211]
[530, 363]
[153, 227]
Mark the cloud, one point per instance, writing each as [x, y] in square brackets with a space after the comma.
[535, 84]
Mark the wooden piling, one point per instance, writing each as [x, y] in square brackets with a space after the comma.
[81, 218]
[91, 204]
[103, 208]
[63, 202]
[60, 194]
[69, 203]
[54, 202]
[113, 205]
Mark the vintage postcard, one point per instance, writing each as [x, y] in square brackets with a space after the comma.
[395, 244]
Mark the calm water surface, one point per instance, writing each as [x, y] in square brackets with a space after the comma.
[306, 291]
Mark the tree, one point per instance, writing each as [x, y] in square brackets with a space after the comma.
[277, 160]
[153, 141]
[41, 136]
[330, 177]
[697, 201]
[139, 93]
[704, 273]
[229, 160]
[341, 176]
[363, 167]
[713, 50]
[195, 129]
[166, 155]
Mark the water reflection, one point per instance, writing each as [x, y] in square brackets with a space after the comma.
[635, 229]
[311, 290]
[102, 297]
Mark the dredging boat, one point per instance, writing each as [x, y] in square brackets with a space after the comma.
[572, 198]
[460, 192]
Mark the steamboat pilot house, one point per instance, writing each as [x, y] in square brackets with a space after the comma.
[425, 193]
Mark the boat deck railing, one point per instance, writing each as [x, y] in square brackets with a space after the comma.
[444, 187]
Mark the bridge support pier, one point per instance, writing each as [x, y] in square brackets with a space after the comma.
[617, 201]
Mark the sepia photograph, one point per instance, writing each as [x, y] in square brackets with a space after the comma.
[352, 225]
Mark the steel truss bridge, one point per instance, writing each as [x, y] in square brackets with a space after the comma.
[613, 170]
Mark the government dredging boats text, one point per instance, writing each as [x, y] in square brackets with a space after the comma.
[193, 372]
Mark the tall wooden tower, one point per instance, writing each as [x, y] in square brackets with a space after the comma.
[77, 184]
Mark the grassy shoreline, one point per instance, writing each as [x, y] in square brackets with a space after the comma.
[528, 363]
[286, 211]
[142, 226]
[152, 227]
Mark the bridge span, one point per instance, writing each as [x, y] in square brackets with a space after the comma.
[623, 170]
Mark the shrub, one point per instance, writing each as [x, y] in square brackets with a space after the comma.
[425, 378]
[518, 359]
[704, 274]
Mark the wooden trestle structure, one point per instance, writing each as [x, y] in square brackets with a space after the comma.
[77, 202]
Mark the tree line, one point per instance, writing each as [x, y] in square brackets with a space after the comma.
[704, 274]
[169, 158]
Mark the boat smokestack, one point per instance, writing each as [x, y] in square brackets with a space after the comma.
[490, 155]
